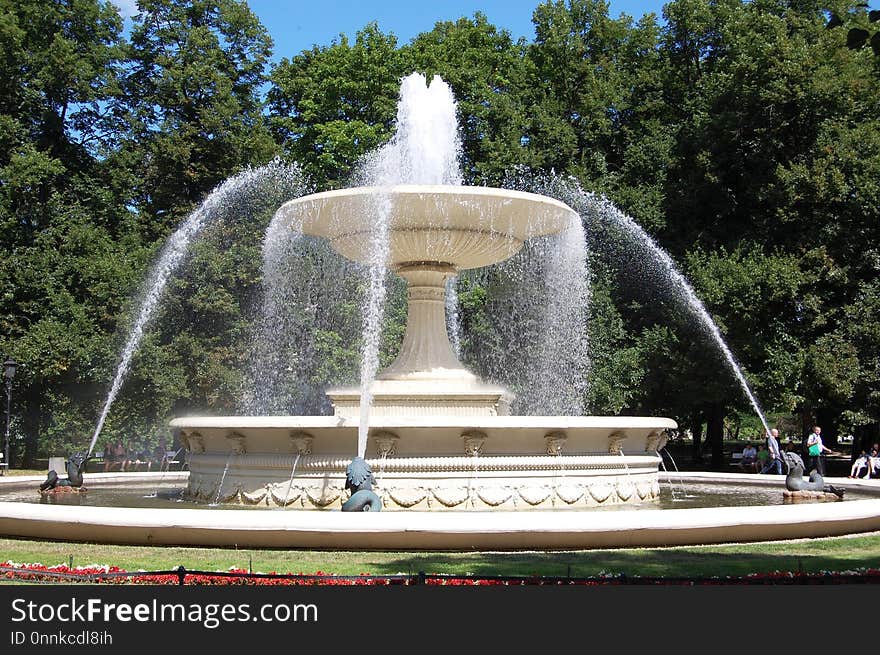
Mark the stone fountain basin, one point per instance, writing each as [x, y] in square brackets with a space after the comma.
[466, 227]
[431, 531]
[435, 463]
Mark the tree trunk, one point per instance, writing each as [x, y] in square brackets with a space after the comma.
[807, 423]
[697, 432]
[715, 435]
[864, 438]
[30, 422]
[827, 419]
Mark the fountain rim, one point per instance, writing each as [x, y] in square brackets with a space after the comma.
[384, 422]
[466, 191]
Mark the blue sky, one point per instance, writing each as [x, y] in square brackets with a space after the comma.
[296, 25]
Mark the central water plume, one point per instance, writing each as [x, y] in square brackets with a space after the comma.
[425, 149]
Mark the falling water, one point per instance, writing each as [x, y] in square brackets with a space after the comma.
[686, 292]
[243, 192]
[563, 366]
[222, 480]
[558, 478]
[668, 477]
[290, 481]
[535, 340]
[628, 476]
[675, 466]
[453, 327]
[304, 281]
[472, 478]
[381, 477]
[605, 212]
[424, 150]
[373, 313]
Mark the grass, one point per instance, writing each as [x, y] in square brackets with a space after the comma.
[807, 556]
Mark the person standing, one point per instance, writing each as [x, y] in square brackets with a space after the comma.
[775, 457]
[816, 450]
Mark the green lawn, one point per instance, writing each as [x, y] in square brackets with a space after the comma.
[808, 556]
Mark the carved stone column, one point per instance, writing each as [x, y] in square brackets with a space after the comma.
[425, 348]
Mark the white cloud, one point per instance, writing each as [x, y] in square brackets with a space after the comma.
[127, 8]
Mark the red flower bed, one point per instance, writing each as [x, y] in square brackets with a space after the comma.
[115, 575]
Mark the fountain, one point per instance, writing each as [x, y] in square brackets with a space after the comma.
[440, 415]
[456, 467]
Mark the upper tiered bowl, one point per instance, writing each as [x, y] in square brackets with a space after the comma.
[464, 227]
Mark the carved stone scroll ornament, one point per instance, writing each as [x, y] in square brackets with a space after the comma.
[238, 442]
[386, 444]
[664, 438]
[195, 442]
[652, 445]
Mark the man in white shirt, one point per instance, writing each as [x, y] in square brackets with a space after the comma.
[816, 451]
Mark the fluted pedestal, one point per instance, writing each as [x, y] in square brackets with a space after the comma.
[427, 378]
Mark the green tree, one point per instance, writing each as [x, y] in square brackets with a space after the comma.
[775, 130]
[332, 104]
[596, 103]
[193, 117]
[68, 256]
[191, 103]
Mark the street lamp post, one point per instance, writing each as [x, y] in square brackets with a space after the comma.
[9, 367]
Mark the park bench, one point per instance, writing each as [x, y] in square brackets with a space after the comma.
[736, 460]
[173, 458]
